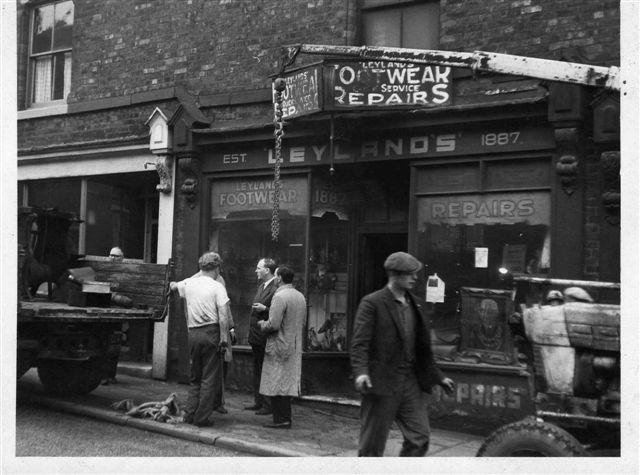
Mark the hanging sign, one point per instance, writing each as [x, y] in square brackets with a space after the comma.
[435, 289]
[386, 84]
[301, 94]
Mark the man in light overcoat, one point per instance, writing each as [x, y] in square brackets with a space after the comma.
[282, 365]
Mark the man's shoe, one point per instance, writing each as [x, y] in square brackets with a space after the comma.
[278, 425]
[207, 423]
[263, 411]
[221, 410]
[252, 407]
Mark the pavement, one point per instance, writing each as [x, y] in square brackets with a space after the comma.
[321, 427]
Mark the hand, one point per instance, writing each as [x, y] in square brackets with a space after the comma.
[173, 286]
[363, 383]
[232, 336]
[448, 385]
[259, 307]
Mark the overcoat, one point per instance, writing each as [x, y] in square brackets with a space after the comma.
[282, 365]
[378, 344]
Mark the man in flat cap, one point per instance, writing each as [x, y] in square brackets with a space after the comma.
[208, 314]
[392, 362]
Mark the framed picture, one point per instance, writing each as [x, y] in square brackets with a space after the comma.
[484, 323]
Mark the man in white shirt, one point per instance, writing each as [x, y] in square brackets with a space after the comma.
[208, 321]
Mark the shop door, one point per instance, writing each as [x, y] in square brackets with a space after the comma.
[374, 249]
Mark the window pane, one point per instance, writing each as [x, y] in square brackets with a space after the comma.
[67, 75]
[63, 25]
[58, 76]
[42, 79]
[61, 193]
[421, 26]
[327, 319]
[42, 29]
[381, 28]
[240, 231]
[455, 230]
[241, 243]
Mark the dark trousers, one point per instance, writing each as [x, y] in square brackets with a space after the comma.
[408, 407]
[281, 406]
[258, 358]
[206, 373]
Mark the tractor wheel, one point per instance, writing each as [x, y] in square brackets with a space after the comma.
[531, 438]
[70, 377]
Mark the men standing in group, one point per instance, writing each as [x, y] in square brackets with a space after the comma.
[283, 352]
[257, 339]
[393, 363]
[208, 321]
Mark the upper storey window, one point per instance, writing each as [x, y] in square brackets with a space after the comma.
[50, 52]
[403, 24]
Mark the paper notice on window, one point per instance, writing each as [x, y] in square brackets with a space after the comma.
[435, 289]
[482, 257]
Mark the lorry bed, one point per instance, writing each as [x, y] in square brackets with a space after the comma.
[42, 309]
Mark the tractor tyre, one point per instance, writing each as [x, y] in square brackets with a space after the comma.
[70, 377]
[531, 438]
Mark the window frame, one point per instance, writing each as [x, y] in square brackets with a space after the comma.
[397, 5]
[52, 53]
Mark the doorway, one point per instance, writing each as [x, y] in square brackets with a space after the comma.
[374, 249]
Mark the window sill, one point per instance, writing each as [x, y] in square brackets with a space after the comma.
[43, 111]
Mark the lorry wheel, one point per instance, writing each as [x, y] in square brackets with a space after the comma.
[530, 438]
[70, 377]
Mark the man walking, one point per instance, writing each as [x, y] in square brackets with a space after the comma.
[392, 362]
[257, 339]
[283, 352]
[208, 321]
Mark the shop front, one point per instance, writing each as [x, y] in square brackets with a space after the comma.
[462, 198]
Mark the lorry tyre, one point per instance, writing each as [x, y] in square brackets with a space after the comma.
[70, 377]
[531, 438]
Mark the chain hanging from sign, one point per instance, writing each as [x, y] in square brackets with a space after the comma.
[279, 86]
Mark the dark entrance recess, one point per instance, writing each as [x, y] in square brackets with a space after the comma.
[374, 249]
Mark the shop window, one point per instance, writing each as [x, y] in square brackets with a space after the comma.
[401, 24]
[328, 267]
[50, 52]
[240, 230]
[465, 237]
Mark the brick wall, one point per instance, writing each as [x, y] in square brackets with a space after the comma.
[539, 28]
[117, 124]
[207, 46]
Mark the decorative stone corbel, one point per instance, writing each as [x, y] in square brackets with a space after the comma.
[610, 165]
[190, 167]
[567, 165]
[164, 167]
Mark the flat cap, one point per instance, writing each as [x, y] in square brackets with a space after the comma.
[402, 262]
[555, 295]
[577, 294]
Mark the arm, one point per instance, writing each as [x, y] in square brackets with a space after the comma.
[276, 313]
[362, 335]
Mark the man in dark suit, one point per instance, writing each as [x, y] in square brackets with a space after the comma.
[257, 339]
[392, 362]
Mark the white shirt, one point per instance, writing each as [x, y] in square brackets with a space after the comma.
[264, 286]
[205, 298]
